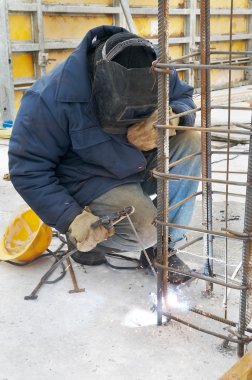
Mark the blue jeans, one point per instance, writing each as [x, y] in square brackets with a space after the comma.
[138, 195]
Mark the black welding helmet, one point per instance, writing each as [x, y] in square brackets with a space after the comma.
[124, 86]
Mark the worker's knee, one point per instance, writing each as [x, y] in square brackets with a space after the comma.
[185, 144]
[144, 224]
[143, 217]
[191, 141]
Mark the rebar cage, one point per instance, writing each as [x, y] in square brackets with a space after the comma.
[207, 234]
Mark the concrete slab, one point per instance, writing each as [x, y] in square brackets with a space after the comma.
[108, 332]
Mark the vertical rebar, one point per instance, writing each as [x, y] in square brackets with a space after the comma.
[206, 137]
[246, 295]
[162, 154]
[228, 150]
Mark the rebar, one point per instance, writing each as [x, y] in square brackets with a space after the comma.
[162, 154]
[246, 296]
[163, 67]
[228, 151]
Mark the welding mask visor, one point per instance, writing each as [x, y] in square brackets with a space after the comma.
[124, 86]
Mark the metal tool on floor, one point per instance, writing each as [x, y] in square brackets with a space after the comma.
[107, 221]
[44, 279]
[76, 288]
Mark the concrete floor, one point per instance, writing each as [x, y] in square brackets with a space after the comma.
[107, 332]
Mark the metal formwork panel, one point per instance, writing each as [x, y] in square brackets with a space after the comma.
[6, 79]
[58, 27]
[78, 2]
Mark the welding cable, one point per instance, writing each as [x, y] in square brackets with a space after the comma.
[49, 254]
[122, 257]
[27, 262]
[63, 273]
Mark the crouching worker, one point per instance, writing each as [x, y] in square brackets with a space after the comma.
[84, 136]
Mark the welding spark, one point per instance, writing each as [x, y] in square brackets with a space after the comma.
[172, 302]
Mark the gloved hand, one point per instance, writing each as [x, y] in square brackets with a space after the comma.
[143, 134]
[83, 236]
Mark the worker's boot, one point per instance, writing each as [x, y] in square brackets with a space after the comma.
[86, 258]
[89, 258]
[173, 261]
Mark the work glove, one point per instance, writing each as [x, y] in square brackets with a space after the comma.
[144, 135]
[83, 236]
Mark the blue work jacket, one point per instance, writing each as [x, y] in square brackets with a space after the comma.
[59, 158]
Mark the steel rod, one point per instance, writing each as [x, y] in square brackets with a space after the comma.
[195, 327]
[190, 243]
[178, 177]
[245, 298]
[184, 200]
[228, 153]
[216, 317]
[162, 151]
[159, 67]
[233, 52]
[203, 277]
[237, 108]
[234, 235]
[208, 130]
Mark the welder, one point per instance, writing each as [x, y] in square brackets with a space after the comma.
[83, 146]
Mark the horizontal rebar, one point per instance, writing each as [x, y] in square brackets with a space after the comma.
[243, 126]
[184, 57]
[236, 152]
[199, 129]
[216, 317]
[233, 52]
[164, 67]
[202, 277]
[237, 108]
[184, 200]
[224, 337]
[191, 242]
[235, 235]
[194, 110]
[231, 194]
[186, 158]
[178, 177]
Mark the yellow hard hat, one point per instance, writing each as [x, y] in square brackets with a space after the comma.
[25, 238]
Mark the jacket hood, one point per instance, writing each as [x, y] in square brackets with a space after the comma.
[74, 83]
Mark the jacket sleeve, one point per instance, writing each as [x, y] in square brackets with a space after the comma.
[36, 147]
[181, 99]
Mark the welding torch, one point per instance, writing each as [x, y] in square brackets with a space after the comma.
[108, 221]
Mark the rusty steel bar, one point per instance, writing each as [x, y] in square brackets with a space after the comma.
[236, 152]
[184, 200]
[233, 52]
[184, 57]
[216, 130]
[243, 126]
[216, 317]
[159, 67]
[186, 158]
[191, 242]
[185, 113]
[178, 177]
[234, 235]
[232, 108]
[230, 171]
[228, 152]
[246, 296]
[162, 153]
[231, 194]
[203, 277]
[245, 339]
